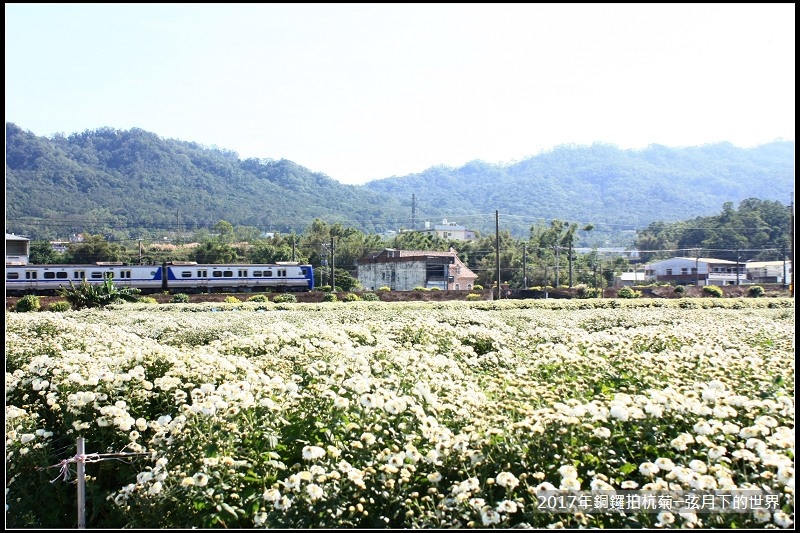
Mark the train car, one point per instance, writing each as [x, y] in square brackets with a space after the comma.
[172, 277]
[281, 276]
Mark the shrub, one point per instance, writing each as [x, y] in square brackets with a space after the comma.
[180, 298]
[370, 297]
[232, 300]
[97, 294]
[582, 290]
[28, 303]
[472, 297]
[351, 297]
[330, 297]
[421, 289]
[755, 291]
[680, 289]
[147, 300]
[384, 289]
[627, 292]
[325, 288]
[477, 287]
[258, 298]
[285, 299]
[59, 307]
[713, 290]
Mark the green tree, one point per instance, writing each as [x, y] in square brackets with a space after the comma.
[94, 248]
[42, 253]
[212, 252]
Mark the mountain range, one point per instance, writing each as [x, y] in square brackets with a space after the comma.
[129, 184]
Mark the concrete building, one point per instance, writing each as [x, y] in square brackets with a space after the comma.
[697, 271]
[405, 270]
[769, 271]
[449, 231]
[18, 249]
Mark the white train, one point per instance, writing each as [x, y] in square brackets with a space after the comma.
[187, 277]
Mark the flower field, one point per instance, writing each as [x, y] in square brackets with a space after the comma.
[398, 415]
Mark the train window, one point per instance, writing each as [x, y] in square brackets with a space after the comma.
[31, 274]
[202, 273]
[61, 275]
[282, 273]
[96, 275]
[256, 273]
[243, 273]
[49, 275]
[125, 274]
[268, 273]
[217, 274]
[79, 274]
[228, 274]
[186, 273]
[12, 275]
[304, 271]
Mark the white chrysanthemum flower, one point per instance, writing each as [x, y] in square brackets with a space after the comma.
[200, 479]
[665, 518]
[314, 491]
[271, 495]
[434, 477]
[698, 466]
[602, 432]
[507, 480]
[648, 469]
[619, 411]
[629, 484]
[187, 482]
[507, 506]
[310, 453]
[568, 472]
[782, 519]
[489, 516]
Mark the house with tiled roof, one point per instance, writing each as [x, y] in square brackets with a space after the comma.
[406, 270]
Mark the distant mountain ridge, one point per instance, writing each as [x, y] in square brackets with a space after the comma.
[130, 183]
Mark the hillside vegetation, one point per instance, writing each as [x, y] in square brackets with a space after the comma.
[134, 184]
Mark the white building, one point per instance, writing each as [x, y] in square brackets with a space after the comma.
[697, 271]
[769, 271]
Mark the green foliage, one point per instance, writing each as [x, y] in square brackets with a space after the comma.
[286, 298]
[258, 298]
[477, 287]
[214, 252]
[351, 297]
[713, 290]
[471, 297]
[147, 300]
[582, 290]
[180, 298]
[330, 297]
[59, 307]
[370, 297]
[232, 300]
[421, 289]
[755, 291]
[28, 303]
[628, 292]
[680, 289]
[113, 179]
[384, 289]
[86, 295]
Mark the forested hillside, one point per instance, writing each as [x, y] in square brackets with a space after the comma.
[133, 184]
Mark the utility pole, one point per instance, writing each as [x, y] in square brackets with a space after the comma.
[737, 267]
[414, 212]
[140, 251]
[524, 266]
[570, 263]
[333, 260]
[697, 267]
[557, 262]
[497, 251]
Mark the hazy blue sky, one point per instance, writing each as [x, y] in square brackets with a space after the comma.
[368, 91]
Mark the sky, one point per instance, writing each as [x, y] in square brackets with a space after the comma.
[361, 92]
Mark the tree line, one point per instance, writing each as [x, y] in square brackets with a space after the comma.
[756, 230]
